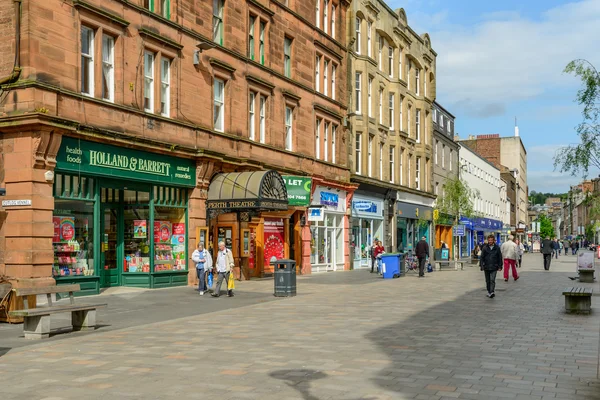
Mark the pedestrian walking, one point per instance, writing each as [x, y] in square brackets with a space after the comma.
[422, 251]
[555, 247]
[560, 247]
[566, 246]
[490, 264]
[546, 250]
[225, 264]
[576, 246]
[521, 252]
[573, 247]
[510, 255]
[204, 264]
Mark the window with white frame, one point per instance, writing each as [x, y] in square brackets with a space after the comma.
[357, 23]
[108, 68]
[358, 153]
[417, 81]
[380, 161]
[450, 160]
[333, 72]
[251, 116]
[261, 42]
[444, 156]
[325, 17]
[251, 43]
[380, 63]
[401, 167]
[408, 122]
[400, 121]
[392, 98]
[289, 119]
[392, 162]
[326, 141]
[408, 68]
[165, 86]
[391, 61]
[333, 8]
[318, 74]
[318, 139]
[318, 14]
[333, 141]
[435, 152]
[425, 83]
[148, 81]
[287, 57]
[370, 157]
[166, 9]
[218, 21]
[262, 119]
[448, 127]
[418, 126]
[358, 77]
[409, 170]
[87, 61]
[418, 173]
[400, 63]
[369, 43]
[369, 98]
[219, 105]
[325, 77]
[381, 106]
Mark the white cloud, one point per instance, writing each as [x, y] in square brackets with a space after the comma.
[506, 57]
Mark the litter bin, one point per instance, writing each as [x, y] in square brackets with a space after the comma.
[285, 278]
[390, 264]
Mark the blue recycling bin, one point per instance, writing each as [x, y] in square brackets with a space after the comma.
[390, 263]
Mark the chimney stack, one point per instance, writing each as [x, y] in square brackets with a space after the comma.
[516, 128]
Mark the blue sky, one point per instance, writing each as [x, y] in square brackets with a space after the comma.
[501, 60]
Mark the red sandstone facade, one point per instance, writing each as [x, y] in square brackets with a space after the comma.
[42, 101]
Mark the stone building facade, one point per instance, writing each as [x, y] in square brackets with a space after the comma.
[391, 83]
[134, 108]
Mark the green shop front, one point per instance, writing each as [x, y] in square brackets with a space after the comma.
[120, 217]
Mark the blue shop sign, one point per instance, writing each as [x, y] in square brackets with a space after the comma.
[329, 199]
[365, 206]
[484, 224]
[458, 230]
[466, 222]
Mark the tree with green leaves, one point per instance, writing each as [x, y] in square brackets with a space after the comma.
[457, 201]
[546, 228]
[578, 159]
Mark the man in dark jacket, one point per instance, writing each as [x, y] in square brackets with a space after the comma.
[491, 263]
[422, 252]
[547, 248]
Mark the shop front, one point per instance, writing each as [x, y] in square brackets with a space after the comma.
[249, 212]
[367, 226]
[444, 233]
[466, 241]
[477, 231]
[328, 235]
[120, 217]
[413, 221]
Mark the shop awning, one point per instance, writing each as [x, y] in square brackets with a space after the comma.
[256, 190]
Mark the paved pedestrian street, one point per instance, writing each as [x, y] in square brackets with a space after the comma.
[346, 335]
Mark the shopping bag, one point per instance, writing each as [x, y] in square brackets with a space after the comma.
[209, 284]
[230, 283]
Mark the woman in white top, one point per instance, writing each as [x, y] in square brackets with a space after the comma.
[521, 251]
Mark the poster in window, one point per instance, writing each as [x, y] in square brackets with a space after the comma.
[178, 229]
[67, 228]
[162, 231]
[273, 239]
[252, 255]
[245, 242]
[56, 222]
[140, 229]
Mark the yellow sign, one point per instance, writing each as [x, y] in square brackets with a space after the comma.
[436, 214]
[417, 212]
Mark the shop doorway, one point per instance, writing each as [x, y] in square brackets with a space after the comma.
[125, 217]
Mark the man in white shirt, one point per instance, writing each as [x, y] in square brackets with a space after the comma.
[225, 264]
[204, 265]
[510, 254]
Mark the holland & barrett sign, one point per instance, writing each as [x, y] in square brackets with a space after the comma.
[81, 156]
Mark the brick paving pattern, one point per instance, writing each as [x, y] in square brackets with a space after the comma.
[346, 335]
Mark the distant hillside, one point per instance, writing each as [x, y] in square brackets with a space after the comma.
[540, 198]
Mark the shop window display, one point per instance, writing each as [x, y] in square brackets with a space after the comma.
[136, 238]
[73, 238]
[327, 241]
[169, 239]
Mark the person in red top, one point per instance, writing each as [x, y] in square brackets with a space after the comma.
[376, 251]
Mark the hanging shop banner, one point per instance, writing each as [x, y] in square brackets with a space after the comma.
[140, 229]
[273, 239]
[81, 156]
[316, 215]
[458, 230]
[162, 231]
[298, 190]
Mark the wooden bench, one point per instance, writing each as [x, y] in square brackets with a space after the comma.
[578, 300]
[37, 320]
